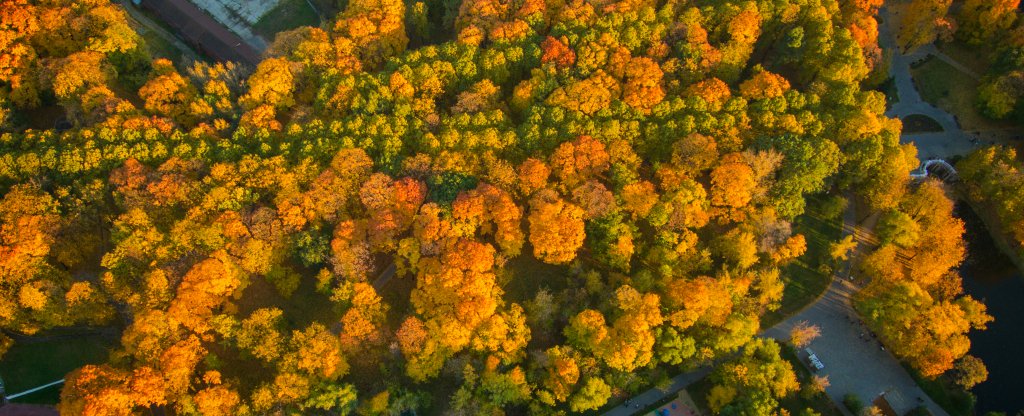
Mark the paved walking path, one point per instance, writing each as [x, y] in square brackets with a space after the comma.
[385, 276]
[382, 279]
[149, 25]
[652, 396]
[952, 140]
[33, 390]
[931, 49]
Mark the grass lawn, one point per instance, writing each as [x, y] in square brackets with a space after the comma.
[161, 48]
[329, 7]
[699, 392]
[305, 306]
[287, 15]
[29, 365]
[302, 308]
[796, 402]
[396, 294]
[972, 57]
[917, 123]
[956, 92]
[157, 45]
[804, 282]
[947, 395]
[528, 275]
[44, 117]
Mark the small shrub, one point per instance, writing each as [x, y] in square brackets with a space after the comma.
[832, 207]
[853, 403]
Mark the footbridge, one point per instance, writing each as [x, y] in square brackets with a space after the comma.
[937, 168]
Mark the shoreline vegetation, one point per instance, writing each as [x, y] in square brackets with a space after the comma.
[985, 173]
[994, 227]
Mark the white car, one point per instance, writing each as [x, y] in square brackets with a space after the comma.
[813, 360]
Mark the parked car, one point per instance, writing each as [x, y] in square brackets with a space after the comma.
[813, 360]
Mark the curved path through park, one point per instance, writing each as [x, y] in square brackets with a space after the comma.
[951, 141]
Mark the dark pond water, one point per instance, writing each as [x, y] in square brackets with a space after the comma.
[991, 278]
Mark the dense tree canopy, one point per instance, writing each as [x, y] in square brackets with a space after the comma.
[526, 203]
[915, 300]
[993, 175]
